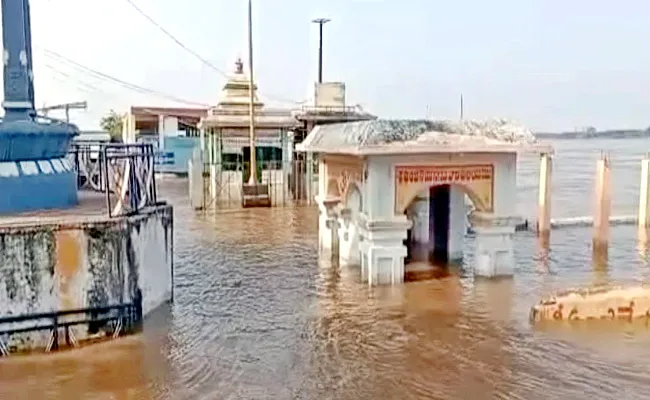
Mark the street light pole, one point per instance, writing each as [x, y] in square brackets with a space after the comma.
[320, 22]
[251, 94]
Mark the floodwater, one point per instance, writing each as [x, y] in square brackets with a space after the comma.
[257, 316]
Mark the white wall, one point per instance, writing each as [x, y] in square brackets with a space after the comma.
[79, 265]
[380, 201]
[170, 126]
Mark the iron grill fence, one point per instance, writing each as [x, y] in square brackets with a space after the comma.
[287, 181]
[123, 172]
[113, 321]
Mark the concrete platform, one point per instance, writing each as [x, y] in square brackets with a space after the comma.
[594, 303]
[92, 207]
[79, 258]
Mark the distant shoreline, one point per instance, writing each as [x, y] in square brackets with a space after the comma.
[627, 134]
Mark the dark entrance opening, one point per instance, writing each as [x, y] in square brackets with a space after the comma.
[439, 223]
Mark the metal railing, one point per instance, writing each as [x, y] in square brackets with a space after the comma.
[124, 172]
[85, 159]
[130, 178]
[287, 182]
[113, 321]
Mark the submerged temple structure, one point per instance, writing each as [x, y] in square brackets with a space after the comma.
[390, 189]
[225, 136]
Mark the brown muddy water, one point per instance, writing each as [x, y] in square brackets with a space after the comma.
[257, 316]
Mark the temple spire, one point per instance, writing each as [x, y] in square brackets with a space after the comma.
[239, 66]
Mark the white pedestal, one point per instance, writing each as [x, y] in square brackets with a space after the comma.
[326, 211]
[383, 251]
[349, 239]
[333, 226]
[494, 251]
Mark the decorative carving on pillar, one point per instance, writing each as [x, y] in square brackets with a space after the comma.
[343, 174]
[476, 180]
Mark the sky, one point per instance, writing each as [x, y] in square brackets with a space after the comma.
[548, 64]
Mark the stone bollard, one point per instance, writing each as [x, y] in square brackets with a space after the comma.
[644, 195]
[544, 196]
[603, 204]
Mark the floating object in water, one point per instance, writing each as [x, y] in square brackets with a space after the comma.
[594, 303]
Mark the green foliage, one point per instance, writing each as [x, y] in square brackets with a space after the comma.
[112, 123]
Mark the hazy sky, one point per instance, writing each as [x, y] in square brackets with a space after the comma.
[550, 64]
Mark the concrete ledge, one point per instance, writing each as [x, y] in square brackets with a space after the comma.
[597, 303]
[64, 262]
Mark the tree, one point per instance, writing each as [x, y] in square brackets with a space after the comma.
[112, 123]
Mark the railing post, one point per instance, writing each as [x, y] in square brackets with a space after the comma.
[137, 301]
[55, 332]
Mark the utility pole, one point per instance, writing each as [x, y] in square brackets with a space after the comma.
[320, 22]
[461, 107]
[252, 180]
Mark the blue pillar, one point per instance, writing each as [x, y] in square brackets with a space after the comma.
[34, 171]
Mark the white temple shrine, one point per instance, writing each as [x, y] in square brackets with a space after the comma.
[387, 188]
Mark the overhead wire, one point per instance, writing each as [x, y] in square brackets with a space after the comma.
[195, 54]
[128, 85]
[89, 88]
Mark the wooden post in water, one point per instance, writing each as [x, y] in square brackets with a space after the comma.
[603, 204]
[644, 195]
[544, 196]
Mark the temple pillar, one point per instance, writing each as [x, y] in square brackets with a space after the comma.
[420, 215]
[382, 249]
[287, 150]
[202, 141]
[309, 177]
[161, 132]
[494, 255]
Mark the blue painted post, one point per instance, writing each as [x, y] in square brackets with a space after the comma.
[34, 171]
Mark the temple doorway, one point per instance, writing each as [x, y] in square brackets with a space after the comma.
[439, 222]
